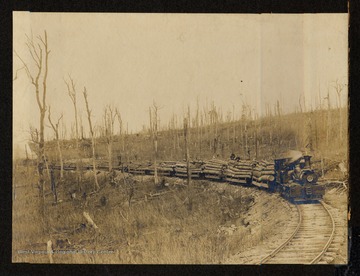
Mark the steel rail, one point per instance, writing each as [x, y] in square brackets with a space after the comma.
[326, 247]
[275, 251]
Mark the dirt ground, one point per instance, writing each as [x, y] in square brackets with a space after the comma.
[140, 222]
[337, 198]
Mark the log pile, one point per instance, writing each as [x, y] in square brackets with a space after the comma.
[239, 171]
[214, 169]
[259, 173]
[167, 168]
[181, 170]
[263, 173]
[137, 168]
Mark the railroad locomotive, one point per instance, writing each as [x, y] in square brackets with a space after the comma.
[296, 180]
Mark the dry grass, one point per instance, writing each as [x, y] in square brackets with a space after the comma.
[27, 232]
[224, 219]
[153, 229]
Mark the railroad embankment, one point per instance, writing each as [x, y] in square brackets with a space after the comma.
[140, 222]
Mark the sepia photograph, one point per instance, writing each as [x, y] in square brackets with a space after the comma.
[179, 138]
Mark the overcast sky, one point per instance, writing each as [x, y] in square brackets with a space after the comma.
[129, 60]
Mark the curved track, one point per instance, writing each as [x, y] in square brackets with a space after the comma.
[310, 240]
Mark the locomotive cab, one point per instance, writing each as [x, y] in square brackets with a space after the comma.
[298, 171]
[296, 180]
[302, 173]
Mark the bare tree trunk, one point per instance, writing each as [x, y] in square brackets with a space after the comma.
[234, 128]
[41, 162]
[174, 135]
[47, 166]
[72, 94]
[81, 127]
[109, 118]
[38, 51]
[97, 187]
[316, 132]
[246, 140]
[198, 130]
[121, 132]
[61, 160]
[201, 133]
[187, 156]
[328, 120]
[56, 131]
[155, 129]
[110, 152]
[256, 139]
[53, 184]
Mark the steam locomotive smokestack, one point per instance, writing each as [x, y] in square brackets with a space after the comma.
[307, 161]
[293, 155]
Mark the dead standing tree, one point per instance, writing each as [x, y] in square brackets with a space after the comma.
[198, 129]
[34, 140]
[56, 132]
[328, 124]
[338, 89]
[39, 54]
[153, 113]
[109, 121]
[187, 157]
[97, 187]
[244, 119]
[214, 117]
[121, 129]
[72, 94]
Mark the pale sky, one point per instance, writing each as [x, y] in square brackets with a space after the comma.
[129, 60]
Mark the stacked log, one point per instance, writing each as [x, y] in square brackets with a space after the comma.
[263, 173]
[137, 168]
[259, 173]
[166, 168]
[214, 169]
[239, 171]
[181, 170]
[69, 167]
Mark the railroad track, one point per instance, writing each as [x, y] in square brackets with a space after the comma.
[312, 241]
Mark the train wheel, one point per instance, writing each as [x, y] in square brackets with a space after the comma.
[310, 178]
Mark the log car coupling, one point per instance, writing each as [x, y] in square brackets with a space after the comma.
[293, 178]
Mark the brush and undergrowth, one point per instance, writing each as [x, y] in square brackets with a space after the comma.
[139, 222]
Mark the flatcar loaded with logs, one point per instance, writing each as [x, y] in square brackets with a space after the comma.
[292, 177]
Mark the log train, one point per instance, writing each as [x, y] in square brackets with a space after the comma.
[293, 178]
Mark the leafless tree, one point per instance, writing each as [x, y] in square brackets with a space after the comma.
[245, 120]
[39, 53]
[26, 153]
[214, 117]
[97, 187]
[328, 128]
[81, 126]
[109, 121]
[71, 89]
[153, 113]
[187, 157]
[339, 88]
[56, 132]
[198, 129]
[121, 129]
[256, 138]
